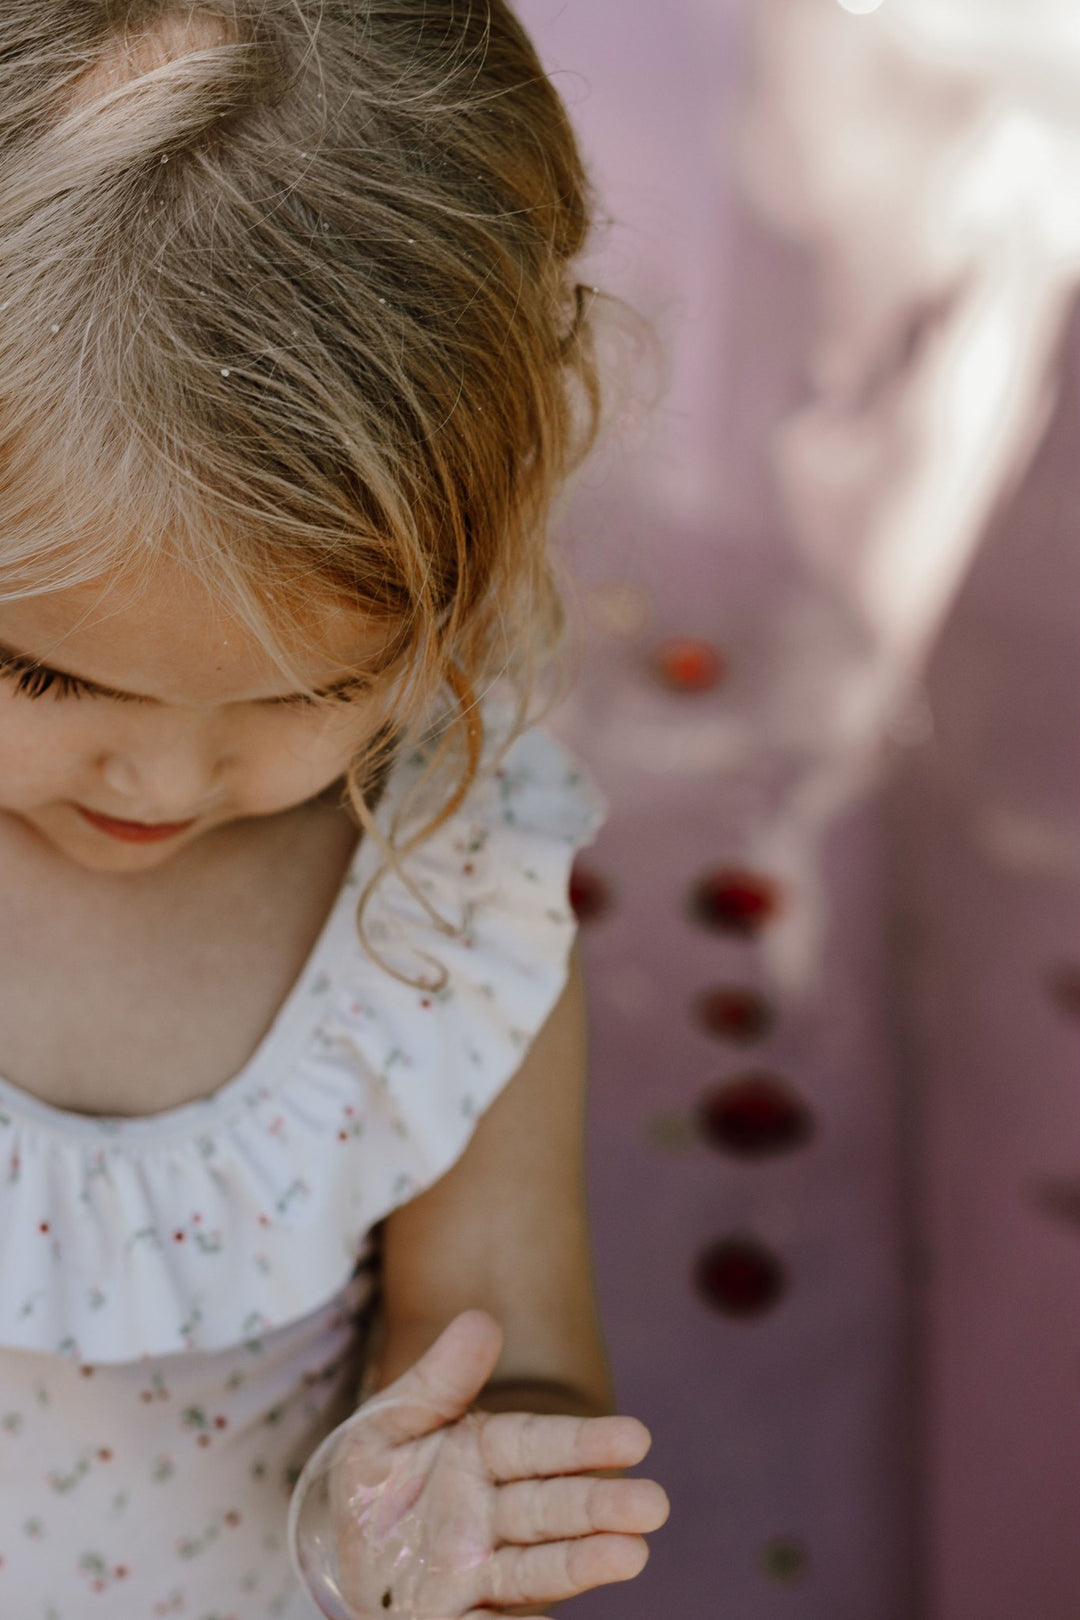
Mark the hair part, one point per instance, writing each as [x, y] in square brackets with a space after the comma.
[287, 289]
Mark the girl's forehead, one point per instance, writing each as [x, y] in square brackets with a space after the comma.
[168, 636]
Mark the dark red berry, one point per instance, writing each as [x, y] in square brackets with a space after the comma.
[734, 901]
[687, 664]
[1065, 988]
[739, 1277]
[754, 1115]
[1059, 1196]
[589, 895]
[733, 1015]
[784, 1559]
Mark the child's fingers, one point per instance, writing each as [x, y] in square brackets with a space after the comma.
[537, 1611]
[442, 1385]
[536, 1510]
[561, 1569]
[485, 1614]
[531, 1445]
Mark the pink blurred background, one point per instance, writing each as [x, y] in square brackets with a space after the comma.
[871, 1408]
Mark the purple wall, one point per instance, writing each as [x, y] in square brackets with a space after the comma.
[896, 1436]
[985, 858]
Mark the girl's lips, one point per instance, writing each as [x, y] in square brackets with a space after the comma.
[134, 832]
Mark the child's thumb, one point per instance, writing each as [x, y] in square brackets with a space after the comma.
[441, 1386]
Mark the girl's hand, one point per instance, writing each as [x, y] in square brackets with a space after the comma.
[451, 1514]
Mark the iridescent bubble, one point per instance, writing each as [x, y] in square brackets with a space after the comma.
[376, 1528]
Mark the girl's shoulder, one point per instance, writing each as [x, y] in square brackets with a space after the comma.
[462, 948]
[504, 850]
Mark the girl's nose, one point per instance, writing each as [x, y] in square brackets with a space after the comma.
[167, 781]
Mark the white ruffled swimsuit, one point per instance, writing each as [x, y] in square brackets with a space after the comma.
[184, 1297]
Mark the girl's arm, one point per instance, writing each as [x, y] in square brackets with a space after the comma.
[506, 1230]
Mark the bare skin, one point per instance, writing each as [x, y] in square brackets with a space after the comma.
[176, 953]
[451, 1512]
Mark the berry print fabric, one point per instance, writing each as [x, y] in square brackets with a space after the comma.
[185, 1297]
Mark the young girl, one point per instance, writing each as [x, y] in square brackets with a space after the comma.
[291, 1034]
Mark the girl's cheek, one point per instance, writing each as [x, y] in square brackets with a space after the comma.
[296, 760]
[37, 733]
[330, 734]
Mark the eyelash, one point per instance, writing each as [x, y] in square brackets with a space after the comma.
[34, 680]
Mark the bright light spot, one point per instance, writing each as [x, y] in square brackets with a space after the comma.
[862, 8]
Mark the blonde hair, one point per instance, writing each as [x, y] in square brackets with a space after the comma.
[288, 286]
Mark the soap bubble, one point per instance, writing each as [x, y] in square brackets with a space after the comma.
[377, 1528]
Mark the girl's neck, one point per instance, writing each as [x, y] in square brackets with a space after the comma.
[131, 995]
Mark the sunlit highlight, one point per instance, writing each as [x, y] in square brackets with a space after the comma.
[947, 259]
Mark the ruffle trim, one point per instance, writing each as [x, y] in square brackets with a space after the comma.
[216, 1222]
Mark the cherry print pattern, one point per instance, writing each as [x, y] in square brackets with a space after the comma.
[200, 1540]
[167, 1405]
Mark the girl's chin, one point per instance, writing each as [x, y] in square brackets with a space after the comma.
[123, 857]
[69, 835]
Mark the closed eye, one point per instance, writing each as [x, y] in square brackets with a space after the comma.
[344, 691]
[33, 680]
